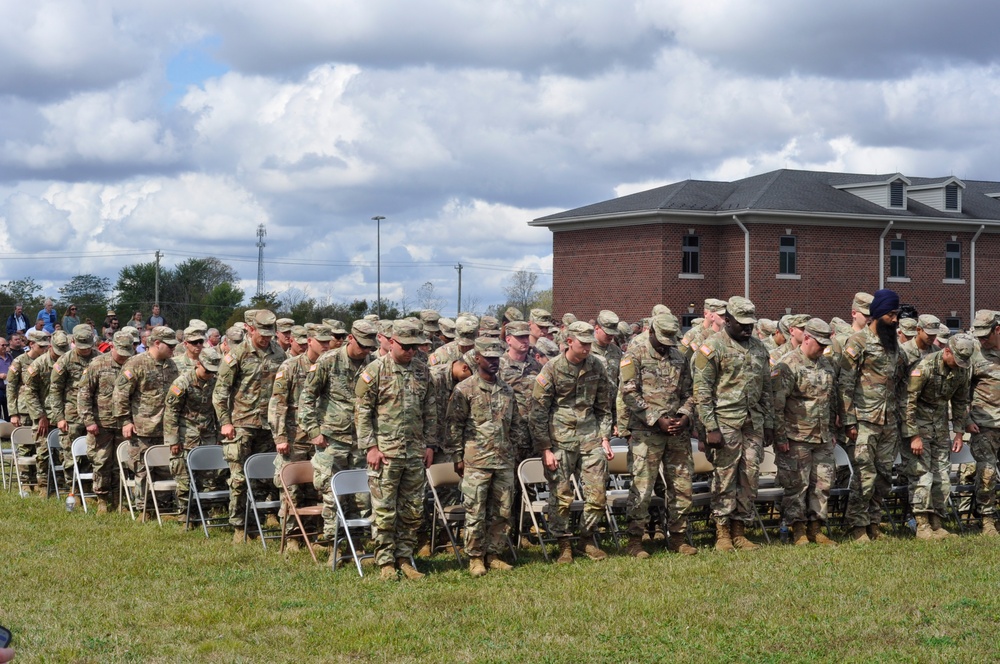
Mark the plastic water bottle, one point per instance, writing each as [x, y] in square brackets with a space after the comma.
[70, 502]
[25, 493]
[783, 532]
[912, 523]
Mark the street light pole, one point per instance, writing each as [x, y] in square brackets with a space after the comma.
[378, 260]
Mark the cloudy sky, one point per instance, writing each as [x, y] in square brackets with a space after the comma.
[180, 125]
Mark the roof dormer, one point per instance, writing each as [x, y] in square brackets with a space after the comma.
[945, 195]
[890, 192]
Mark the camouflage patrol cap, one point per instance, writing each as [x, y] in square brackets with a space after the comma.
[300, 333]
[581, 331]
[264, 322]
[568, 318]
[235, 334]
[83, 336]
[60, 342]
[962, 347]
[321, 332]
[122, 342]
[944, 334]
[512, 314]
[489, 323]
[835, 321]
[198, 324]
[665, 327]
[796, 320]
[468, 358]
[447, 326]
[984, 322]
[766, 325]
[820, 330]
[697, 321]
[715, 306]
[540, 317]
[624, 329]
[466, 329]
[519, 328]
[429, 318]
[284, 324]
[660, 309]
[908, 326]
[365, 333]
[248, 316]
[373, 318]
[39, 337]
[336, 326]
[408, 332]
[164, 334]
[928, 323]
[607, 320]
[194, 334]
[862, 302]
[210, 359]
[384, 328]
[742, 310]
[489, 347]
[134, 331]
[547, 347]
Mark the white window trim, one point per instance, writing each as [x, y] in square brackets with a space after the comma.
[953, 281]
[788, 276]
[690, 275]
[898, 280]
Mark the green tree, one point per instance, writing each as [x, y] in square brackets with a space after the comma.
[217, 306]
[90, 295]
[25, 291]
[136, 288]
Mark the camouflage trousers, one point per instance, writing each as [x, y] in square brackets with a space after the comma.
[74, 430]
[874, 453]
[591, 467]
[207, 481]
[929, 475]
[985, 446]
[28, 474]
[397, 490]
[806, 472]
[488, 498]
[103, 452]
[41, 454]
[246, 443]
[647, 450]
[137, 451]
[737, 472]
[326, 463]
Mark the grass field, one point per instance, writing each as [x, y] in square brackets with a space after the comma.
[83, 588]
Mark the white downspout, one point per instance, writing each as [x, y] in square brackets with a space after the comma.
[746, 257]
[972, 275]
[881, 256]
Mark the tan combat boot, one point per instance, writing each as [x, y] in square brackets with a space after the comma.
[924, 530]
[497, 563]
[635, 547]
[940, 532]
[408, 570]
[740, 541]
[425, 550]
[102, 505]
[565, 550]
[815, 534]
[990, 527]
[272, 522]
[723, 541]
[859, 534]
[388, 573]
[592, 551]
[239, 536]
[476, 567]
[677, 542]
[799, 537]
[875, 532]
[292, 546]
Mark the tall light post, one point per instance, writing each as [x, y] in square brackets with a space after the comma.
[378, 260]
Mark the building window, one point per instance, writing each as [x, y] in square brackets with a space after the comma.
[687, 319]
[896, 194]
[951, 197]
[953, 323]
[690, 258]
[786, 256]
[952, 260]
[897, 258]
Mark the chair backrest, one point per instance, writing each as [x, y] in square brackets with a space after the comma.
[259, 466]
[124, 458]
[443, 475]
[79, 448]
[22, 436]
[531, 471]
[840, 457]
[701, 463]
[52, 440]
[618, 465]
[205, 458]
[296, 472]
[6, 429]
[157, 455]
[348, 482]
[964, 455]
[767, 465]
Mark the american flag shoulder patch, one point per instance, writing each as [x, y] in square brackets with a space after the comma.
[706, 350]
[176, 389]
[542, 380]
[229, 358]
[312, 367]
[625, 362]
[128, 374]
[852, 351]
[367, 377]
[915, 372]
[279, 375]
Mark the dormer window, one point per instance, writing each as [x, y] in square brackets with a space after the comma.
[896, 194]
[951, 197]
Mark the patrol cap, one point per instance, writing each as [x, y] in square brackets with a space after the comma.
[284, 324]
[697, 321]
[797, 320]
[624, 329]
[519, 328]
[580, 331]
[299, 333]
[60, 342]
[319, 332]
[608, 321]
[742, 310]
[39, 337]
[122, 342]
[235, 334]
[568, 318]
[908, 326]
[540, 317]
[264, 322]
[665, 327]
[134, 331]
[660, 309]
[384, 328]
[429, 318]
[783, 325]
[715, 306]
[962, 347]
[248, 316]
[447, 326]
[928, 323]
[365, 333]
[820, 330]
[372, 318]
[944, 334]
[862, 302]
[766, 325]
[198, 325]
[194, 334]
[489, 347]
[836, 321]
[83, 336]
[164, 334]
[468, 358]
[408, 332]
[210, 359]
[336, 326]
[512, 314]
[467, 329]
[489, 323]
[547, 347]
[984, 322]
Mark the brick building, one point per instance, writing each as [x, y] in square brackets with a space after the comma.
[791, 241]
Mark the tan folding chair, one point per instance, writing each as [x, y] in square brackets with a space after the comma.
[157, 457]
[22, 437]
[768, 492]
[295, 474]
[443, 476]
[126, 478]
[535, 501]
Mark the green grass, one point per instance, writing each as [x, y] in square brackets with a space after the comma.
[82, 588]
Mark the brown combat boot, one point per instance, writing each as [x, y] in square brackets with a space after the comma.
[565, 550]
[497, 563]
[292, 546]
[635, 547]
[408, 570]
[740, 541]
[388, 573]
[272, 522]
[677, 542]
[723, 541]
[815, 534]
[239, 536]
[940, 532]
[990, 527]
[859, 534]
[924, 530]
[102, 505]
[476, 567]
[875, 532]
[592, 551]
[799, 537]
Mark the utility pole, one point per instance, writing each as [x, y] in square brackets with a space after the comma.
[458, 310]
[261, 232]
[156, 279]
[378, 259]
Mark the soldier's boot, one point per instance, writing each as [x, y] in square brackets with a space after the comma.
[388, 573]
[408, 570]
[495, 562]
[239, 536]
[799, 537]
[740, 541]
[924, 530]
[565, 550]
[272, 522]
[815, 534]
[476, 567]
[592, 551]
[425, 550]
[678, 544]
[658, 534]
[723, 540]
[940, 532]
[875, 532]
[102, 505]
[292, 546]
[635, 547]
[990, 527]
[859, 534]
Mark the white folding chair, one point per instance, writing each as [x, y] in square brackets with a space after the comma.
[260, 467]
[22, 437]
[79, 450]
[157, 457]
[841, 493]
[55, 452]
[206, 459]
[6, 454]
[959, 491]
[347, 484]
[535, 501]
[768, 491]
[126, 478]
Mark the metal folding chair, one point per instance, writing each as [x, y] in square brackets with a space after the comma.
[535, 501]
[291, 474]
[768, 492]
[157, 457]
[126, 477]
[840, 493]
[206, 459]
[260, 467]
[55, 452]
[79, 450]
[22, 436]
[6, 453]
[619, 480]
[443, 476]
[349, 483]
[959, 491]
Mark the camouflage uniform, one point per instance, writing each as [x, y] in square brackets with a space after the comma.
[95, 406]
[282, 411]
[521, 378]
[189, 421]
[16, 375]
[912, 353]
[985, 412]
[34, 398]
[64, 386]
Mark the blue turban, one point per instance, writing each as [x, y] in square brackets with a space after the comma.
[883, 302]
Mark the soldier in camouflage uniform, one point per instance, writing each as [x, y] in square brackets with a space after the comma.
[432, 330]
[656, 391]
[194, 341]
[795, 324]
[518, 368]
[921, 342]
[539, 321]
[17, 407]
[337, 331]
[138, 400]
[871, 369]
[396, 421]
[936, 382]
[283, 327]
[570, 422]
[484, 432]
[67, 375]
[95, 408]
[466, 330]
[326, 415]
[805, 414]
[34, 398]
[711, 323]
[732, 390]
[984, 416]
[241, 396]
[605, 347]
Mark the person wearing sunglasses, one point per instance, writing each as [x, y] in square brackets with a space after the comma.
[70, 319]
[194, 341]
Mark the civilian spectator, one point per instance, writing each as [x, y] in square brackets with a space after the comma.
[110, 326]
[136, 321]
[212, 337]
[70, 319]
[5, 359]
[40, 324]
[156, 318]
[49, 316]
[16, 322]
[143, 338]
[16, 345]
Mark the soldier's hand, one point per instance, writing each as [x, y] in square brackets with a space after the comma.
[228, 431]
[663, 424]
[460, 468]
[63, 426]
[956, 446]
[282, 448]
[677, 425]
[175, 450]
[319, 441]
[428, 457]
[15, 420]
[128, 430]
[701, 445]
[917, 445]
[971, 428]
[608, 452]
[768, 437]
[549, 460]
[782, 447]
[852, 432]
[375, 458]
[714, 438]
[43, 426]
[93, 429]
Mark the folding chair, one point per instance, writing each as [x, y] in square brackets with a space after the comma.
[126, 477]
[6, 453]
[21, 436]
[701, 491]
[959, 491]
[292, 474]
[78, 450]
[840, 493]
[768, 493]
[157, 457]
[260, 467]
[443, 475]
[531, 477]
[55, 452]
[206, 459]
[619, 481]
[349, 483]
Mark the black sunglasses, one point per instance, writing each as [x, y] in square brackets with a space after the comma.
[339, 337]
[199, 342]
[408, 347]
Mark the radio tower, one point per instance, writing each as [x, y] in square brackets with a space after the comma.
[260, 259]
